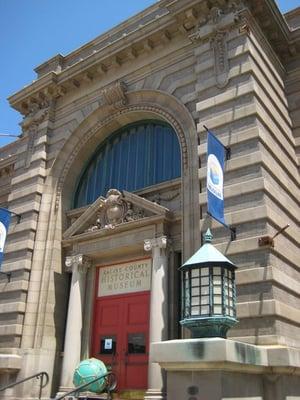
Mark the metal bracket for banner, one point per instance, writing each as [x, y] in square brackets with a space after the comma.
[8, 274]
[232, 233]
[227, 149]
[231, 228]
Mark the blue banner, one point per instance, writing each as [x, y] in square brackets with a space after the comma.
[215, 177]
[4, 224]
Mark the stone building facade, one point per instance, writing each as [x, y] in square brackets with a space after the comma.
[230, 65]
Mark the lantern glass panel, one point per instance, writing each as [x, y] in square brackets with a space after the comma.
[204, 271]
[217, 299]
[205, 290]
[196, 291]
[204, 281]
[195, 311]
[195, 301]
[217, 280]
[186, 293]
[217, 290]
[195, 273]
[217, 309]
[204, 300]
[217, 271]
[204, 310]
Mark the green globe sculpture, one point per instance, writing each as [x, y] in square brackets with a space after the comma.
[87, 371]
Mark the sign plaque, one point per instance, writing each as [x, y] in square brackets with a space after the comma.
[124, 278]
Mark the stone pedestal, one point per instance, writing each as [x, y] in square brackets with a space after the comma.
[73, 338]
[219, 369]
[158, 329]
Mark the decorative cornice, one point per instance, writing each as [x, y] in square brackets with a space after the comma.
[114, 48]
[285, 42]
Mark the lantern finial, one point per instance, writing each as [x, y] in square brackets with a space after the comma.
[208, 236]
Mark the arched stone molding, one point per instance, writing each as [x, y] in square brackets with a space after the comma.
[57, 197]
[143, 104]
[61, 181]
[131, 113]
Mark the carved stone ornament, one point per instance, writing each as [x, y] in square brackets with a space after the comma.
[216, 19]
[219, 46]
[37, 113]
[80, 260]
[7, 171]
[115, 95]
[115, 210]
[163, 244]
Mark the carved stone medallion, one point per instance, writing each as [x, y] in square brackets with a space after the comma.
[115, 208]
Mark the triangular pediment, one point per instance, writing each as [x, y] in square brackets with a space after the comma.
[117, 208]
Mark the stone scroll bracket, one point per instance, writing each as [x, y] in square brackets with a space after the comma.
[37, 113]
[215, 28]
[221, 62]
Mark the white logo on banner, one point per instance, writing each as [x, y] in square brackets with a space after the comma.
[2, 236]
[215, 176]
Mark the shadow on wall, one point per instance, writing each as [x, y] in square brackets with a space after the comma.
[61, 290]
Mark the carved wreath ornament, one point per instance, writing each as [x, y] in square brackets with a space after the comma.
[115, 210]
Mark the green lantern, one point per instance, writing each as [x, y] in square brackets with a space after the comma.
[208, 292]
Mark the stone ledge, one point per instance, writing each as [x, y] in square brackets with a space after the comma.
[225, 354]
[10, 362]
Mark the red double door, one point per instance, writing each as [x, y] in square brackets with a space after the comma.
[121, 337]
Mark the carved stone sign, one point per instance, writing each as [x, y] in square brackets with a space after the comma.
[124, 278]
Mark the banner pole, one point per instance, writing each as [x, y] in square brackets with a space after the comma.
[227, 149]
[231, 228]
[8, 274]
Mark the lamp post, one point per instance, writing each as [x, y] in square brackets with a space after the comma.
[208, 292]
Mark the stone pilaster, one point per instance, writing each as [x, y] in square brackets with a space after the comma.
[77, 265]
[158, 310]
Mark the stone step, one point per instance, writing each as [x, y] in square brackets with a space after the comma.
[126, 395]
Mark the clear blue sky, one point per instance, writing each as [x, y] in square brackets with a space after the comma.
[33, 31]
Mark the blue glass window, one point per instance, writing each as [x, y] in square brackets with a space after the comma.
[137, 156]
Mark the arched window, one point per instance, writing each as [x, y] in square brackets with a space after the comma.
[137, 156]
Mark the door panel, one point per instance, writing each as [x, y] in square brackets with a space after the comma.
[121, 337]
